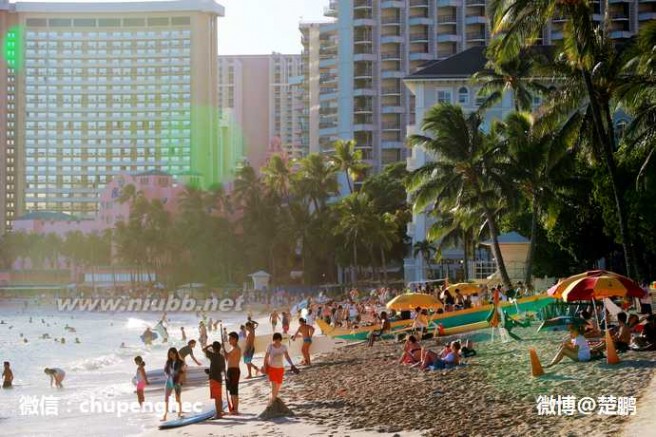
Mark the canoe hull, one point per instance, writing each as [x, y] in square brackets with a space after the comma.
[455, 319]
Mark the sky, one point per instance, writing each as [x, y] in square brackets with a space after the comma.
[255, 27]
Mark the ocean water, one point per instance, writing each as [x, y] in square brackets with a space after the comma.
[97, 369]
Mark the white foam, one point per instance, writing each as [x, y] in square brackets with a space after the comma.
[96, 363]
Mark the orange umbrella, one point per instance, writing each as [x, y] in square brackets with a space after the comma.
[411, 301]
[465, 288]
[557, 290]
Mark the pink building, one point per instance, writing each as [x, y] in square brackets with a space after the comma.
[150, 184]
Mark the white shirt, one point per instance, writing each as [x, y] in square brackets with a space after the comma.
[584, 347]
[276, 355]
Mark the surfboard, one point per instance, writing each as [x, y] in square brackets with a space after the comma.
[153, 338]
[206, 415]
[195, 375]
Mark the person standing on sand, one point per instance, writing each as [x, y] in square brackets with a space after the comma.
[307, 332]
[173, 369]
[7, 375]
[140, 378]
[184, 335]
[56, 376]
[216, 371]
[202, 337]
[273, 365]
[233, 373]
[285, 322]
[273, 318]
[249, 349]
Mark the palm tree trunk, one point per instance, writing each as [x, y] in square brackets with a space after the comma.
[494, 232]
[355, 264]
[384, 263]
[607, 141]
[528, 277]
[466, 256]
[348, 181]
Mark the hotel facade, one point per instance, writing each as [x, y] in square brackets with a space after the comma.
[92, 90]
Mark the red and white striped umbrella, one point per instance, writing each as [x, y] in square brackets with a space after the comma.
[600, 287]
[557, 290]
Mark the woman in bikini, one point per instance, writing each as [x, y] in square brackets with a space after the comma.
[411, 351]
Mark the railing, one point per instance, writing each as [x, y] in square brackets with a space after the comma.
[475, 2]
[475, 35]
[446, 18]
[390, 55]
[418, 3]
[418, 37]
[391, 90]
[391, 20]
[362, 4]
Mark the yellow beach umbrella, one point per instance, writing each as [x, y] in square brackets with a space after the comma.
[411, 301]
[465, 288]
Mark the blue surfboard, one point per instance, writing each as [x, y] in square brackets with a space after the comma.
[153, 338]
[188, 420]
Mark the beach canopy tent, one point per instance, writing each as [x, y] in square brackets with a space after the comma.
[465, 288]
[410, 301]
[557, 290]
[600, 287]
[260, 280]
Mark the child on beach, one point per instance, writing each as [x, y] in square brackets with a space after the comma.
[273, 365]
[173, 370]
[215, 372]
[56, 376]
[577, 348]
[7, 376]
[141, 378]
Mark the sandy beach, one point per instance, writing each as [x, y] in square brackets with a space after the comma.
[364, 391]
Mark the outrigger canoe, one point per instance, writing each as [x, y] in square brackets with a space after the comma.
[452, 322]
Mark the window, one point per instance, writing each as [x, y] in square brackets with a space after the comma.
[463, 96]
[443, 96]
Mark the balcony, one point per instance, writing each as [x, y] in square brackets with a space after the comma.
[419, 3]
[363, 126]
[475, 36]
[364, 22]
[327, 62]
[392, 91]
[446, 19]
[391, 126]
[391, 21]
[326, 129]
[620, 34]
[392, 145]
[420, 21]
[419, 37]
[363, 109]
[391, 56]
[475, 19]
[448, 38]
[392, 74]
[332, 9]
[358, 92]
[391, 39]
[362, 4]
[393, 109]
[449, 3]
[644, 16]
[475, 3]
[391, 4]
[421, 57]
[363, 39]
[364, 57]
[363, 74]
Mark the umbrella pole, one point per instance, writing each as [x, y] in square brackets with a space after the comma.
[594, 306]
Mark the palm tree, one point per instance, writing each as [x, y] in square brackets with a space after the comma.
[535, 156]
[385, 236]
[277, 177]
[427, 250]
[592, 60]
[514, 75]
[356, 223]
[316, 180]
[348, 160]
[461, 174]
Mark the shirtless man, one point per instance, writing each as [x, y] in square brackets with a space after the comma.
[232, 375]
[273, 318]
[249, 349]
[307, 332]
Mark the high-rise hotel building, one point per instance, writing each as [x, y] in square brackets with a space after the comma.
[95, 89]
[266, 96]
[382, 41]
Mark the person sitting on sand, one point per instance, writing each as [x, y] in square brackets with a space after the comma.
[633, 322]
[411, 351]
[384, 327]
[622, 338]
[56, 376]
[591, 329]
[577, 348]
[450, 356]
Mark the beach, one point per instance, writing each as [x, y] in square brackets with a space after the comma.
[349, 390]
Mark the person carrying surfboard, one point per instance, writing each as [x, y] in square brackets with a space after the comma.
[215, 372]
